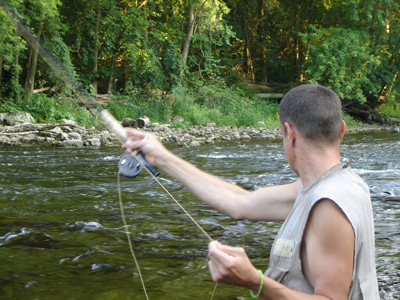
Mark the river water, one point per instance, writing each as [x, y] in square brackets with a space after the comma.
[61, 235]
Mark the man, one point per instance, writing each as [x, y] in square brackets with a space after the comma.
[325, 248]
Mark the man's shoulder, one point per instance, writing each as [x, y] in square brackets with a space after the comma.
[344, 182]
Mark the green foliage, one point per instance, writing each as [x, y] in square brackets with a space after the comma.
[130, 46]
[351, 123]
[44, 108]
[209, 104]
[139, 104]
[391, 110]
[342, 60]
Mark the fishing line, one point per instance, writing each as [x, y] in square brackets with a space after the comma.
[121, 206]
[176, 201]
[153, 173]
[126, 226]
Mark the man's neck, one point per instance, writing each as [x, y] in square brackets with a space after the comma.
[313, 163]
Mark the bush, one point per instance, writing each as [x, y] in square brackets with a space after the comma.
[207, 104]
[48, 109]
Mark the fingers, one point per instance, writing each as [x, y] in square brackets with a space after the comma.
[134, 133]
[148, 144]
[216, 249]
[223, 260]
[215, 265]
[231, 265]
[133, 142]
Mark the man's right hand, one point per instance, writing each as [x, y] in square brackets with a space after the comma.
[148, 144]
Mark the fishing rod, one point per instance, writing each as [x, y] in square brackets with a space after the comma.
[130, 165]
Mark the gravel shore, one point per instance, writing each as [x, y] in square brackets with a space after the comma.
[69, 134]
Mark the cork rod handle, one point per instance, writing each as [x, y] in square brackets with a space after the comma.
[113, 125]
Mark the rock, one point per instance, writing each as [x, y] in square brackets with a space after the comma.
[72, 143]
[2, 118]
[62, 136]
[56, 130]
[95, 142]
[178, 119]
[15, 118]
[188, 138]
[128, 122]
[143, 122]
[4, 140]
[74, 136]
[69, 122]
[396, 130]
[67, 129]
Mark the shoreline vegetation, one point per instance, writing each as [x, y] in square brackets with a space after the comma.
[183, 117]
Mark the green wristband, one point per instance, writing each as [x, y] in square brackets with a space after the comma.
[261, 286]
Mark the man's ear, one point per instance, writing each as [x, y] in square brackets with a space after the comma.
[342, 130]
[290, 132]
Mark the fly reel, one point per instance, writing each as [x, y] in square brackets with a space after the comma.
[131, 166]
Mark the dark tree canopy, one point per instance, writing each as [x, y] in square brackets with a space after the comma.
[351, 46]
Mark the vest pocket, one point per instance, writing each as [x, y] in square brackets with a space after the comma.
[282, 253]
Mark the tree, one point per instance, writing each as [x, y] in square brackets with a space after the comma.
[10, 47]
[358, 58]
[35, 13]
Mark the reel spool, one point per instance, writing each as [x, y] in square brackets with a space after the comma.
[130, 166]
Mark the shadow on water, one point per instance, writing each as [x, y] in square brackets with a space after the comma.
[61, 235]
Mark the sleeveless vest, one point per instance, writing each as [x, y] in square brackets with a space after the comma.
[351, 195]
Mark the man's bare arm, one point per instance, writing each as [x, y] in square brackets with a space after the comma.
[271, 203]
[328, 251]
[327, 261]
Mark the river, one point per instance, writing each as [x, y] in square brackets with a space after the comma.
[61, 235]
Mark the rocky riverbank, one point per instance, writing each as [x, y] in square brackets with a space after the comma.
[69, 134]
[73, 135]
[20, 130]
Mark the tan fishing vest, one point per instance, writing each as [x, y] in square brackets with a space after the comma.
[351, 194]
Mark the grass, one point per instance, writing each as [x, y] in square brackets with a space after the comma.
[392, 110]
[181, 108]
[49, 109]
[351, 123]
[219, 105]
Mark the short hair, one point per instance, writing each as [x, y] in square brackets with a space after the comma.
[315, 111]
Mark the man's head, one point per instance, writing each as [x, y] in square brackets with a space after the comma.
[315, 111]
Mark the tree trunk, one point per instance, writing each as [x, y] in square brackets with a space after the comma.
[96, 50]
[249, 61]
[261, 26]
[373, 20]
[297, 41]
[16, 87]
[30, 80]
[1, 70]
[110, 85]
[189, 34]
[27, 73]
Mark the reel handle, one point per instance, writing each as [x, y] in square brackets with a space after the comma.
[153, 170]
